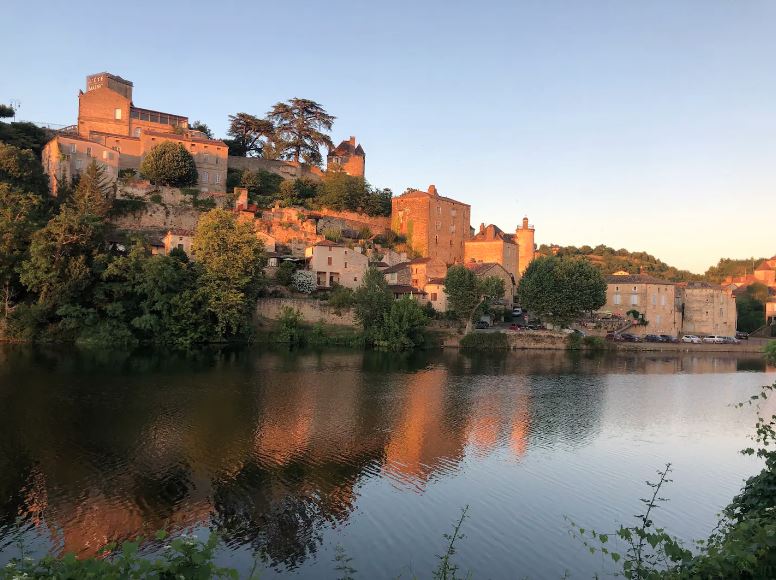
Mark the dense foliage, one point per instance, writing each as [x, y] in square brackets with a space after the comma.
[731, 267]
[750, 307]
[170, 164]
[609, 260]
[24, 136]
[467, 294]
[248, 135]
[559, 290]
[300, 130]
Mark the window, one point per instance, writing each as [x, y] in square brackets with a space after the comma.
[205, 158]
[433, 297]
[78, 164]
[117, 114]
[355, 278]
[617, 299]
[657, 319]
[436, 239]
[218, 178]
[328, 261]
[88, 151]
[346, 264]
[634, 299]
[216, 160]
[180, 246]
[72, 148]
[439, 225]
[654, 300]
[205, 177]
[663, 300]
[439, 210]
[137, 131]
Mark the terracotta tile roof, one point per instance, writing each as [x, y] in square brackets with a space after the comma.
[328, 243]
[348, 147]
[178, 137]
[638, 279]
[699, 284]
[764, 266]
[490, 233]
[480, 268]
[404, 289]
[378, 264]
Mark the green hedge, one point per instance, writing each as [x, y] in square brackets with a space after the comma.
[485, 341]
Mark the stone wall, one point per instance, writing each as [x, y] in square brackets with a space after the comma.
[311, 310]
[286, 169]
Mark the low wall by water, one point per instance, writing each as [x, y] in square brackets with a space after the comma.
[312, 311]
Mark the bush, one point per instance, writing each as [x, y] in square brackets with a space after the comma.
[289, 324]
[127, 174]
[595, 343]
[169, 164]
[304, 281]
[574, 341]
[341, 298]
[285, 273]
[770, 351]
[485, 341]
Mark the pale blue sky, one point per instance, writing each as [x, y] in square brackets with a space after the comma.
[648, 125]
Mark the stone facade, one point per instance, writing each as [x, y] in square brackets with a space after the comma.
[349, 157]
[311, 311]
[178, 238]
[436, 295]
[285, 169]
[435, 226]
[655, 299]
[707, 309]
[335, 264]
[486, 270]
[424, 269]
[526, 246]
[65, 156]
[491, 245]
[107, 116]
[398, 274]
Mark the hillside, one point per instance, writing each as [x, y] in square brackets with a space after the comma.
[609, 260]
[731, 267]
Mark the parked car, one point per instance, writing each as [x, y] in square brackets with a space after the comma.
[613, 336]
[730, 340]
[481, 324]
[517, 311]
[713, 339]
[668, 338]
[691, 338]
[742, 336]
[653, 338]
[628, 337]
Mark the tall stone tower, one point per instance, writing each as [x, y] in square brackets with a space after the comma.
[526, 247]
[349, 156]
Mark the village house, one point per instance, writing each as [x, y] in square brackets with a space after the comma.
[423, 269]
[435, 293]
[435, 226]
[654, 300]
[67, 155]
[492, 245]
[764, 273]
[180, 239]
[707, 309]
[488, 269]
[336, 264]
[108, 117]
[398, 274]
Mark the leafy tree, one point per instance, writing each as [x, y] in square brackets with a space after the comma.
[300, 130]
[402, 325]
[372, 302]
[298, 192]
[169, 164]
[6, 111]
[25, 136]
[261, 185]
[289, 326]
[463, 292]
[232, 261]
[202, 127]
[378, 202]
[65, 255]
[20, 169]
[750, 306]
[560, 289]
[341, 298]
[730, 267]
[284, 275]
[249, 135]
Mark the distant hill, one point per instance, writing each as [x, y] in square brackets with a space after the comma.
[731, 267]
[609, 261]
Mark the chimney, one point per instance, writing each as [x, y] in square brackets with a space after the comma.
[353, 140]
[482, 228]
[432, 189]
[525, 222]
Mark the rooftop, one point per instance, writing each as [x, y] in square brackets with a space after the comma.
[636, 279]
[396, 268]
[404, 289]
[432, 193]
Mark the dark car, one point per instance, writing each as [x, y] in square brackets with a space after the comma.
[668, 338]
[480, 324]
[627, 337]
[742, 336]
[652, 338]
[613, 336]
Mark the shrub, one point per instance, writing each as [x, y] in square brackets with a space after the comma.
[770, 351]
[341, 298]
[595, 343]
[285, 273]
[304, 281]
[485, 341]
[574, 341]
[289, 324]
[127, 174]
[332, 234]
[169, 164]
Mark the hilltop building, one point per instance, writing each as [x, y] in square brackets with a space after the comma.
[336, 264]
[108, 118]
[492, 245]
[348, 156]
[435, 226]
[764, 273]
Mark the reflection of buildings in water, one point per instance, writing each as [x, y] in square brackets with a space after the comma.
[521, 423]
[425, 437]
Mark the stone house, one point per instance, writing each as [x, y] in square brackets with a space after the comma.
[349, 157]
[336, 264]
[108, 116]
[492, 245]
[178, 238]
[707, 309]
[398, 274]
[67, 155]
[423, 269]
[655, 300]
[488, 269]
[435, 226]
[435, 294]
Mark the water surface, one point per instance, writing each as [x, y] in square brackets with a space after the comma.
[289, 454]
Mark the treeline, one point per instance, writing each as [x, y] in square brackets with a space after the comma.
[731, 267]
[609, 260]
[64, 280]
[337, 190]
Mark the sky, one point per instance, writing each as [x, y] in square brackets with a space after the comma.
[643, 125]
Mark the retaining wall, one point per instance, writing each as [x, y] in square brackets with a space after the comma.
[312, 311]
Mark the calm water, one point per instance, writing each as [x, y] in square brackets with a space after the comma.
[288, 455]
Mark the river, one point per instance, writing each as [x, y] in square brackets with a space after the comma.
[288, 455]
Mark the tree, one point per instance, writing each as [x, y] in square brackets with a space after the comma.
[285, 273]
[20, 169]
[202, 127]
[300, 130]
[463, 292]
[249, 135]
[750, 306]
[560, 289]
[232, 261]
[402, 325]
[6, 111]
[25, 136]
[262, 185]
[299, 192]
[169, 164]
[372, 302]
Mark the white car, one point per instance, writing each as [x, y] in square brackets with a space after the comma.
[713, 339]
[691, 338]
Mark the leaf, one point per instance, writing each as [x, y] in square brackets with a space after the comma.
[615, 556]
